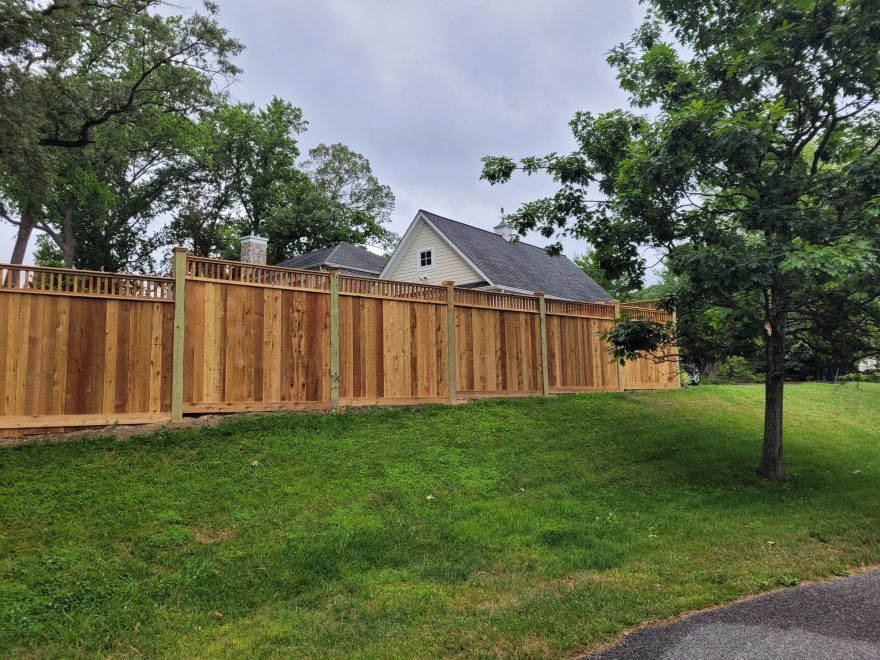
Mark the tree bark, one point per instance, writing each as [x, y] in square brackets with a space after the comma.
[27, 222]
[772, 466]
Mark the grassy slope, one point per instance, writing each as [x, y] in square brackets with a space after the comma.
[552, 525]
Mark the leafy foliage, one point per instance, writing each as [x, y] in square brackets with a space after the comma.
[757, 173]
[631, 338]
[117, 118]
[78, 73]
[241, 177]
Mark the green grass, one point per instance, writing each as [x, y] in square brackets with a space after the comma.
[530, 527]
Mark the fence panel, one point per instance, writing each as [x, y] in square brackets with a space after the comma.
[577, 356]
[499, 352]
[651, 373]
[83, 359]
[391, 350]
[254, 347]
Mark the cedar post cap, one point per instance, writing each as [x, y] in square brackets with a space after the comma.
[331, 269]
[178, 249]
[447, 282]
[538, 294]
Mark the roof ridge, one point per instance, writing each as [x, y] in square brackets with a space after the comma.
[333, 248]
[459, 222]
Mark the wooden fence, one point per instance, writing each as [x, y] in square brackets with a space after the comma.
[91, 349]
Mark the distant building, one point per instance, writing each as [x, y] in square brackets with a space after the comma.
[349, 259]
[435, 249]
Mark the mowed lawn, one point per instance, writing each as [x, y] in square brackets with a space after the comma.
[526, 527]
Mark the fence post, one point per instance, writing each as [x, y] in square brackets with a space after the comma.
[179, 270]
[334, 337]
[675, 356]
[621, 375]
[452, 351]
[545, 367]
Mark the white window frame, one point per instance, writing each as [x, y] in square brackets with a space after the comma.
[420, 252]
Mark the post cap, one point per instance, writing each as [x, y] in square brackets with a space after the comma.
[447, 282]
[178, 249]
[538, 294]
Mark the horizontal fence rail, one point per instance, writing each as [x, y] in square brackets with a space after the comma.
[88, 348]
[35, 279]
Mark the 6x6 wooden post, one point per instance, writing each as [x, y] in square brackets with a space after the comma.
[621, 375]
[545, 373]
[334, 337]
[179, 269]
[451, 353]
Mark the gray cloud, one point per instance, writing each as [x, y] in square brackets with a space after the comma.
[425, 89]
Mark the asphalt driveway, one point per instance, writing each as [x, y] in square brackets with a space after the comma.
[836, 619]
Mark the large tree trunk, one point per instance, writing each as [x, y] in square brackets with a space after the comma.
[26, 226]
[772, 465]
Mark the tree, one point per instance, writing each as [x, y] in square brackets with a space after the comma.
[74, 71]
[242, 178]
[347, 178]
[106, 196]
[620, 288]
[756, 173]
[240, 169]
[307, 220]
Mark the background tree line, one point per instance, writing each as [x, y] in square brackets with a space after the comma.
[118, 138]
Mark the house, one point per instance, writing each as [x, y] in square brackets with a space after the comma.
[435, 249]
[349, 259]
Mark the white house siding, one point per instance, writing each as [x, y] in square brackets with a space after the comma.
[448, 265]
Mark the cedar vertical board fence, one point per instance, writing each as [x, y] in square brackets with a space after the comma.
[91, 349]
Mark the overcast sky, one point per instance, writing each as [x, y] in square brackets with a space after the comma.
[426, 89]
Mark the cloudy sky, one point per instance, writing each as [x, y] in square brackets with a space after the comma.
[425, 89]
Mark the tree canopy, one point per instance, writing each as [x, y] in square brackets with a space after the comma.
[117, 138]
[749, 158]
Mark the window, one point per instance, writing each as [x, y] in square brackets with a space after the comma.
[426, 259]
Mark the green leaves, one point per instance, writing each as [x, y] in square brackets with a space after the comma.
[631, 338]
[497, 169]
[756, 177]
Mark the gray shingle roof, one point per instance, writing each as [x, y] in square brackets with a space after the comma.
[345, 256]
[519, 265]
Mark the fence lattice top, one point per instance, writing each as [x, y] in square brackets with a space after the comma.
[502, 301]
[642, 312]
[235, 271]
[365, 286]
[62, 281]
[59, 281]
[571, 308]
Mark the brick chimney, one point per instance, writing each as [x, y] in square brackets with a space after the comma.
[253, 249]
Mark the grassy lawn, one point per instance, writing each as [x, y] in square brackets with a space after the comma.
[525, 527]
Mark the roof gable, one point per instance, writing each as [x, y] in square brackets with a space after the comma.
[517, 265]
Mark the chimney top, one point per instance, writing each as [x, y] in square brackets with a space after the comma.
[505, 231]
[253, 249]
